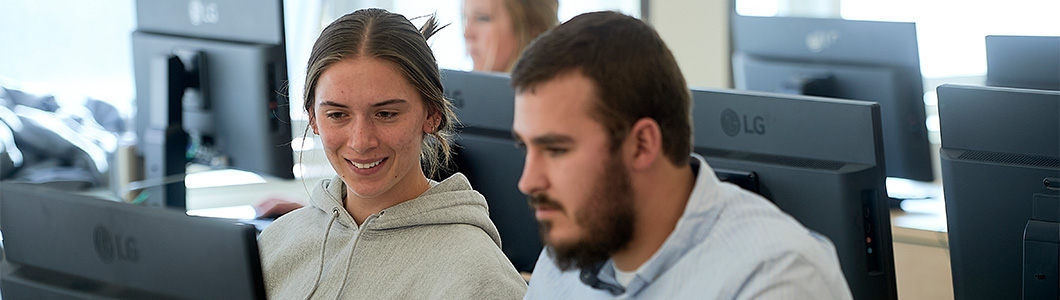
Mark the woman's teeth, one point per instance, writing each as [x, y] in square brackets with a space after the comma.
[366, 166]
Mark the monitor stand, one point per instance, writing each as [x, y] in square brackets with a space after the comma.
[165, 142]
[1041, 243]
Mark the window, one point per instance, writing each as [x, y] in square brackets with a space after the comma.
[951, 32]
[69, 48]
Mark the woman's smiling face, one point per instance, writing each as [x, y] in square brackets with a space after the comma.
[372, 122]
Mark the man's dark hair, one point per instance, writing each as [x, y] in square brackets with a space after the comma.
[634, 74]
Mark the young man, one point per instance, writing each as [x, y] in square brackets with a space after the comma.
[625, 208]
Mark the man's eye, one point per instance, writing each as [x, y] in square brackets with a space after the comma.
[386, 114]
[556, 151]
[335, 115]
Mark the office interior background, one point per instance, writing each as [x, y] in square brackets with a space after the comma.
[75, 49]
[78, 49]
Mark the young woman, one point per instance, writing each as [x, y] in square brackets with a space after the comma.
[496, 31]
[380, 229]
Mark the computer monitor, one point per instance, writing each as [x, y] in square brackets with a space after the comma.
[1000, 163]
[486, 153]
[856, 60]
[210, 88]
[1030, 62]
[59, 245]
[818, 159]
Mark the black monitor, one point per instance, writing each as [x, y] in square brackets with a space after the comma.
[210, 89]
[486, 154]
[1030, 62]
[59, 245]
[857, 60]
[1000, 168]
[818, 159]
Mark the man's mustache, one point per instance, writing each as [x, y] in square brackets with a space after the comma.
[543, 201]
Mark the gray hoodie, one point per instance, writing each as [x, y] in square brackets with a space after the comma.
[440, 245]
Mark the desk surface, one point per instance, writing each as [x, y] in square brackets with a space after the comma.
[926, 227]
[297, 190]
[921, 219]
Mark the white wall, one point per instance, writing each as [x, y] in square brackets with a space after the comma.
[697, 32]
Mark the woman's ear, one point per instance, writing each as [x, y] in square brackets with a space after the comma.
[313, 122]
[434, 119]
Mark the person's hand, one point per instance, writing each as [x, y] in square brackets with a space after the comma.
[274, 207]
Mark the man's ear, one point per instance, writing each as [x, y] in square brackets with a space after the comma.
[313, 122]
[645, 141]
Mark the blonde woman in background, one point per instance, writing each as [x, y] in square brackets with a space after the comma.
[496, 31]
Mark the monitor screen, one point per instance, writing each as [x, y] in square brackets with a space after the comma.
[221, 68]
[486, 153]
[1000, 151]
[818, 159]
[1031, 62]
[59, 245]
[856, 60]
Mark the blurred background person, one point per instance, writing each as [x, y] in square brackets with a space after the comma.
[496, 31]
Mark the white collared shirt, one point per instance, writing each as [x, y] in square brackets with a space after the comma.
[728, 244]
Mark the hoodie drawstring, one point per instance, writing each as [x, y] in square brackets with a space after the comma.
[324, 243]
[349, 260]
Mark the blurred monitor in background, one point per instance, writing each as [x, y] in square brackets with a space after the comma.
[856, 60]
[210, 91]
[1030, 62]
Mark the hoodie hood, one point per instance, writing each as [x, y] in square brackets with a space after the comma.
[449, 202]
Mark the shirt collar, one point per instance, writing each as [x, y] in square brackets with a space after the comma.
[691, 229]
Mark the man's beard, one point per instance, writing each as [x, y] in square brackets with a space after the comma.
[606, 219]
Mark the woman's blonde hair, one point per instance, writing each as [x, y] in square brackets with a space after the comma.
[530, 18]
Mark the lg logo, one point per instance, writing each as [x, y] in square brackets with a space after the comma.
[819, 40]
[732, 123]
[115, 246]
[200, 13]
